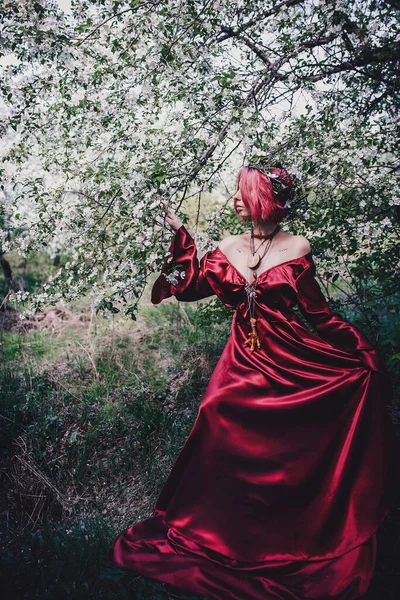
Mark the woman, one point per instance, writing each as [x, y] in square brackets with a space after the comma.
[286, 474]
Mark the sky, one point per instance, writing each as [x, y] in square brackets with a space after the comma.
[65, 5]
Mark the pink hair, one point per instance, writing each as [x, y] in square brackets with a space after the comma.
[258, 195]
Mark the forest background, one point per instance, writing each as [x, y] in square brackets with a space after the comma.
[112, 110]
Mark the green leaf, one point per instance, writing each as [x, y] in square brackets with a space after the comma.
[312, 196]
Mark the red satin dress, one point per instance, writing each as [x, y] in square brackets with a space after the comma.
[287, 472]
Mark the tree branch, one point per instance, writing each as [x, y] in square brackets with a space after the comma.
[370, 57]
[228, 32]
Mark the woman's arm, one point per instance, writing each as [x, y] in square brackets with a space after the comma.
[330, 325]
[183, 277]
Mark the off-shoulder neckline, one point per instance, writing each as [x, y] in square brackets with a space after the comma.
[290, 260]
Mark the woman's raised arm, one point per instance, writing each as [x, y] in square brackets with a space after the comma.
[184, 276]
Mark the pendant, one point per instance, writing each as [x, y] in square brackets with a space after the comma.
[254, 261]
[252, 338]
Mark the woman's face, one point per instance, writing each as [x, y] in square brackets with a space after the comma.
[241, 210]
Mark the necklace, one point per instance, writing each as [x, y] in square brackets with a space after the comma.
[253, 340]
[255, 260]
[265, 235]
[259, 236]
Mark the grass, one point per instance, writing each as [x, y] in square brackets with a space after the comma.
[71, 563]
[92, 421]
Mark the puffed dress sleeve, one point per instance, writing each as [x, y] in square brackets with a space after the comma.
[190, 282]
[330, 326]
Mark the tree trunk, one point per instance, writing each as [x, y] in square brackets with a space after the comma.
[5, 265]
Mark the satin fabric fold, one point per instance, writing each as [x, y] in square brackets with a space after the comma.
[152, 549]
[289, 467]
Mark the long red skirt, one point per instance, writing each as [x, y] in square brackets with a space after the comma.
[152, 549]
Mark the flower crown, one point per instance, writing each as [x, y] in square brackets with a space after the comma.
[281, 182]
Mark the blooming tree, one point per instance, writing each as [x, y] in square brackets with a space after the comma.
[128, 106]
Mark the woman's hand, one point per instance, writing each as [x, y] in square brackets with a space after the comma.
[173, 221]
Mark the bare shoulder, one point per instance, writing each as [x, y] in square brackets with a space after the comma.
[296, 245]
[224, 245]
[303, 244]
[228, 241]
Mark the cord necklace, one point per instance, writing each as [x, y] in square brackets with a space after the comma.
[254, 262]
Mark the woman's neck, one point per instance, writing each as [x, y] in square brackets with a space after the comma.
[264, 228]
